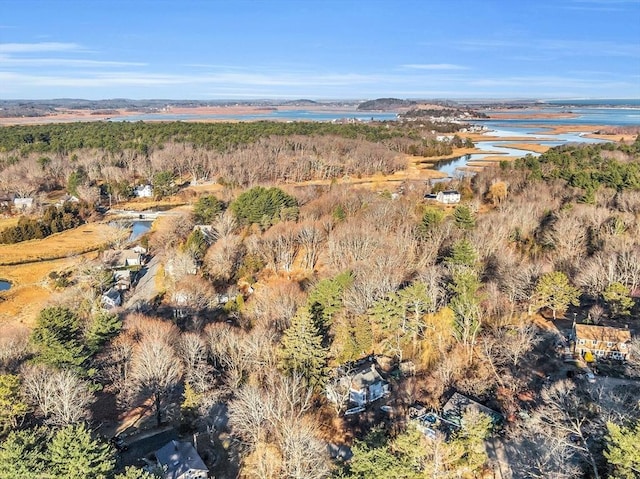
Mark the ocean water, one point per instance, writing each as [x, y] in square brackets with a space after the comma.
[281, 115]
[595, 102]
[596, 116]
[537, 131]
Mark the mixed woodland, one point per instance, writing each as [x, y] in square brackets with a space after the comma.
[466, 298]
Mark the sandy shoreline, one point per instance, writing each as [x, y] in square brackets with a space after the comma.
[67, 116]
[530, 116]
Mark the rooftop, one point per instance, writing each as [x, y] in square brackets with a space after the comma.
[178, 458]
[602, 333]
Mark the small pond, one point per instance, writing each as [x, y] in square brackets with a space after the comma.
[139, 228]
[4, 285]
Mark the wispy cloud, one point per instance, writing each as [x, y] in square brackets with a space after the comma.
[557, 46]
[600, 5]
[7, 61]
[434, 66]
[38, 47]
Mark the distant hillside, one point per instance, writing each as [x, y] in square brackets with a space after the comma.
[385, 104]
[301, 102]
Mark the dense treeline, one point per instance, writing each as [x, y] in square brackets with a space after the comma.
[331, 274]
[589, 167]
[140, 136]
[54, 220]
[117, 156]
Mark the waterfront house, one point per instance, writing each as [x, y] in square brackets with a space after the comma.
[601, 341]
[180, 460]
[448, 197]
[126, 258]
[23, 204]
[143, 191]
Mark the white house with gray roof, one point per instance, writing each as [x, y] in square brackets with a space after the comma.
[180, 460]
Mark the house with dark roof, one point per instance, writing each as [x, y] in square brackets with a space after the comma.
[111, 298]
[458, 405]
[180, 460]
[449, 419]
[358, 384]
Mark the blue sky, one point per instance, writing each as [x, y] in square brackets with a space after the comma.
[319, 49]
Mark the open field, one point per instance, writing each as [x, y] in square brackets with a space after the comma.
[27, 266]
[79, 240]
[31, 288]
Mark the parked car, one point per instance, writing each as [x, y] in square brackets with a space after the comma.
[119, 443]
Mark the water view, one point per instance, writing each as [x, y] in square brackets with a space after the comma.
[4, 285]
[288, 115]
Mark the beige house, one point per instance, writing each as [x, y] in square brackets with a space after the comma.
[601, 341]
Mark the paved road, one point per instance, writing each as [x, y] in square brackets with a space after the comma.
[498, 458]
[613, 382]
[145, 290]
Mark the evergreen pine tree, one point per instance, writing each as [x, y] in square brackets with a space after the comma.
[73, 452]
[622, 450]
[22, 454]
[301, 351]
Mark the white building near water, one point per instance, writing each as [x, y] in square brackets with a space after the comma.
[448, 197]
[143, 191]
[23, 203]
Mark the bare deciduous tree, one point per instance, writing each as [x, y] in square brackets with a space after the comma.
[155, 367]
[565, 421]
[61, 397]
[273, 305]
[193, 351]
[310, 236]
[14, 346]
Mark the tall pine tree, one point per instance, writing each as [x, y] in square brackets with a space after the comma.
[302, 352]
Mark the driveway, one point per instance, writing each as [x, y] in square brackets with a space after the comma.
[143, 444]
[145, 290]
[498, 458]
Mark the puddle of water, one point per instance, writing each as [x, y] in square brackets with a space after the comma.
[4, 285]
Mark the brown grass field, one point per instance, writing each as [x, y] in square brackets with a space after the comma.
[79, 240]
[30, 285]
[30, 290]
[528, 147]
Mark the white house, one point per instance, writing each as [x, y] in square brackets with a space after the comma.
[359, 386]
[180, 460]
[122, 278]
[122, 258]
[111, 299]
[448, 197]
[143, 191]
[23, 203]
